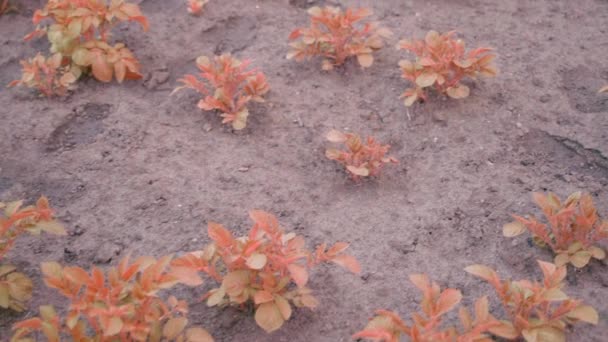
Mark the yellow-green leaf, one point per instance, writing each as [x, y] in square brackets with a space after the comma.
[256, 261]
[216, 297]
[268, 317]
[459, 91]
[365, 60]
[283, 306]
[597, 252]
[513, 229]
[584, 313]
[198, 335]
[174, 327]
[580, 259]
[52, 227]
[359, 171]
[426, 79]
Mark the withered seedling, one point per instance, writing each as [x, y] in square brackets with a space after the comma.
[228, 88]
[604, 89]
[360, 159]
[80, 34]
[195, 7]
[573, 229]
[537, 311]
[426, 325]
[266, 270]
[122, 304]
[442, 62]
[335, 35]
[15, 287]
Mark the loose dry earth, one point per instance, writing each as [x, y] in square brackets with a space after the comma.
[131, 169]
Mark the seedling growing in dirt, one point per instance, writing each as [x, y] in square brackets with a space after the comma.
[442, 62]
[80, 34]
[233, 86]
[260, 269]
[195, 7]
[48, 75]
[426, 325]
[538, 311]
[573, 231]
[360, 160]
[335, 36]
[120, 305]
[15, 287]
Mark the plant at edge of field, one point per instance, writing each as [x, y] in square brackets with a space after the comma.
[122, 304]
[538, 311]
[572, 233]
[16, 220]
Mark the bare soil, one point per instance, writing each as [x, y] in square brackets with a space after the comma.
[131, 169]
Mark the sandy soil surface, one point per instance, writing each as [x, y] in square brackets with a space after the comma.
[131, 169]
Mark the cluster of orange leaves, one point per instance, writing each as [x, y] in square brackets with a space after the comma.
[442, 62]
[121, 305]
[333, 35]
[259, 269]
[15, 287]
[572, 233]
[360, 159]
[233, 87]
[426, 325]
[79, 35]
[538, 311]
[195, 7]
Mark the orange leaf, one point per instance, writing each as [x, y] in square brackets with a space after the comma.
[448, 299]
[299, 274]
[349, 262]
[220, 235]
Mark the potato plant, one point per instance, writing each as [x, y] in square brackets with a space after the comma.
[426, 325]
[536, 311]
[572, 232]
[195, 7]
[335, 36]
[16, 220]
[121, 304]
[268, 269]
[361, 159]
[232, 87]
[80, 34]
[442, 63]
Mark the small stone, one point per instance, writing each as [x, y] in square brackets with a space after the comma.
[207, 127]
[106, 252]
[545, 98]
